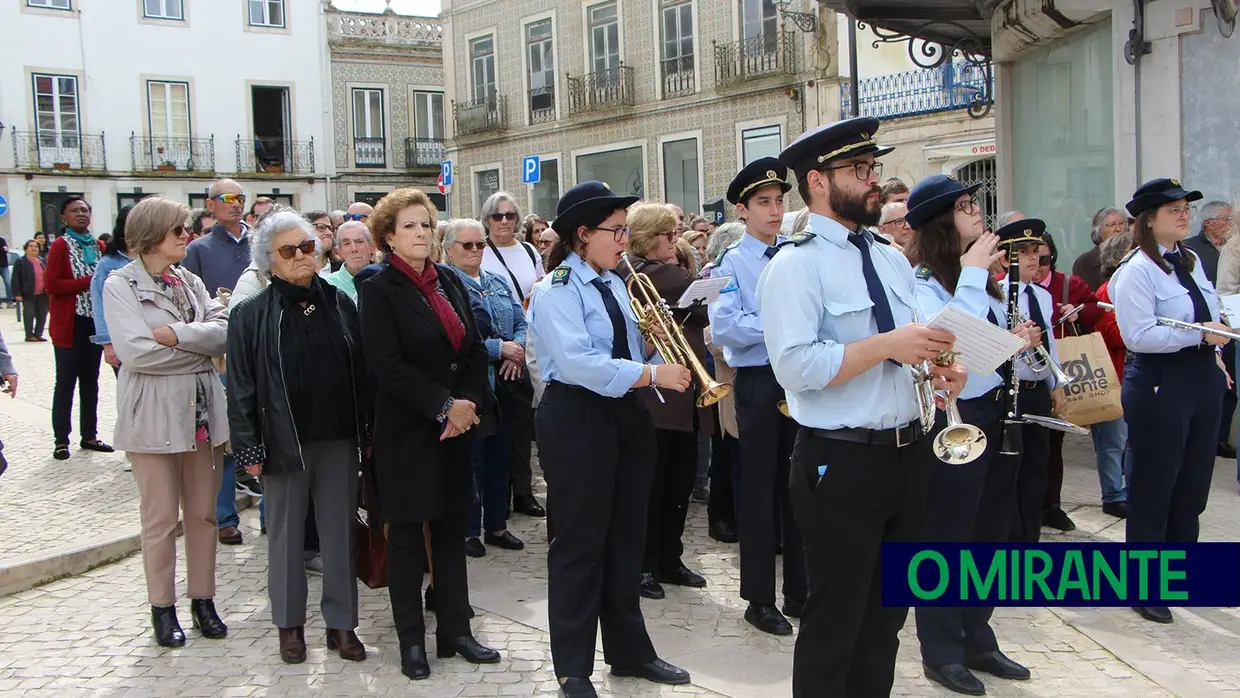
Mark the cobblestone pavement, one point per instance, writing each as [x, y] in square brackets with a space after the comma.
[89, 634]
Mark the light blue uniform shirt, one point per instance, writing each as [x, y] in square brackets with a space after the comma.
[572, 332]
[814, 301]
[1046, 305]
[1142, 290]
[972, 298]
[735, 323]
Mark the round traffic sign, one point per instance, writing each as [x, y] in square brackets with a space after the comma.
[4, 206]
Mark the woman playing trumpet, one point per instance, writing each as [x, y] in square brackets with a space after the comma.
[953, 253]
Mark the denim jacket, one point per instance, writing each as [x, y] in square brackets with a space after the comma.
[492, 295]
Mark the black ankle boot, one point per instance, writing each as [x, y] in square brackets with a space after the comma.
[208, 622]
[168, 631]
[413, 662]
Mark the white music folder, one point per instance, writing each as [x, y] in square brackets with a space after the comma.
[704, 291]
[982, 346]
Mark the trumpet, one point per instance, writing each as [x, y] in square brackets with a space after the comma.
[1183, 325]
[958, 443]
[1039, 359]
[653, 312]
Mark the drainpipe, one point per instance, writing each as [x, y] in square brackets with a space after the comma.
[1134, 49]
[852, 66]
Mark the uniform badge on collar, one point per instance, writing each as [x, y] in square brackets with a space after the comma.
[560, 276]
[923, 272]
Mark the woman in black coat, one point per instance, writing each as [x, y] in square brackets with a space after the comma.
[429, 366]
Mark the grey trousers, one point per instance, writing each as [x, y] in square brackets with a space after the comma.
[331, 475]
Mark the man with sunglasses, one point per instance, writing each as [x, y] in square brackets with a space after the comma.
[358, 211]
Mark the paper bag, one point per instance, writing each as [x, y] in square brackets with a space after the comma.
[1093, 396]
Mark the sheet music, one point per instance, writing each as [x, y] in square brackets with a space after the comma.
[703, 290]
[1230, 305]
[982, 346]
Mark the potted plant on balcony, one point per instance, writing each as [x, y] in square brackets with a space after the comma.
[166, 166]
[60, 166]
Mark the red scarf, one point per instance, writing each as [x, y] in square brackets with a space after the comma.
[426, 283]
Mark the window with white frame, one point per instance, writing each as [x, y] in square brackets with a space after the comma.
[680, 174]
[369, 143]
[56, 111]
[604, 22]
[759, 26]
[621, 169]
[760, 142]
[539, 48]
[482, 67]
[51, 4]
[546, 192]
[676, 37]
[486, 183]
[267, 13]
[428, 115]
[163, 9]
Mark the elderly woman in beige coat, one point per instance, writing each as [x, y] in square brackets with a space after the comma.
[172, 416]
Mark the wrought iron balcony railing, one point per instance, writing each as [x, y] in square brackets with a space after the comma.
[480, 115]
[275, 155]
[678, 77]
[612, 87]
[370, 152]
[949, 87]
[755, 57]
[542, 105]
[172, 154]
[424, 152]
[58, 150]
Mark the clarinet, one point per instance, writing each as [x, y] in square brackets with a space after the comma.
[1009, 442]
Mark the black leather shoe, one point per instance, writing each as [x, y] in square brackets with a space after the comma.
[793, 608]
[1056, 518]
[1157, 614]
[1226, 450]
[473, 548]
[504, 540]
[956, 678]
[650, 588]
[167, 629]
[683, 577]
[998, 664]
[413, 662]
[101, 447]
[768, 619]
[202, 612]
[526, 504]
[723, 532]
[1117, 509]
[577, 687]
[467, 647]
[655, 670]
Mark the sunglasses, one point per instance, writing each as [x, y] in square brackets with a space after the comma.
[230, 199]
[1044, 260]
[471, 246]
[306, 248]
[179, 231]
[356, 216]
[511, 216]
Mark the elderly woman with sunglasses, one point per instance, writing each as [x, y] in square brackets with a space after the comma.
[505, 342]
[300, 427]
[165, 329]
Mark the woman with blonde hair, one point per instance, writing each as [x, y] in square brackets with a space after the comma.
[653, 251]
[165, 329]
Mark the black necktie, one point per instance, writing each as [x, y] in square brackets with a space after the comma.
[1035, 310]
[878, 294]
[770, 252]
[1201, 311]
[994, 320]
[619, 331]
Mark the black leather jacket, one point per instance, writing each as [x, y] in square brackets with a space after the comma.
[260, 418]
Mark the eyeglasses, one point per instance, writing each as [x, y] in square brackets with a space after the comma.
[230, 199]
[863, 169]
[323, 227]
[1181, 211]
[1044, 260]
[618, 234]
[471, 246]
[969, 207]
[508, 215]
[290, 251]
[898, 222]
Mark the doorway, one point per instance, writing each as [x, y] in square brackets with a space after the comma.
[49, 204]
[272, 133]
[985, 173]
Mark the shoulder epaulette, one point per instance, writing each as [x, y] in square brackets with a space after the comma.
[559, 277]
[797, 239]
[924, 272]
[729, 248]
[1128, 256]
[881, 240]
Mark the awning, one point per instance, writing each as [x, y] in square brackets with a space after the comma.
[960, 151]
[953, 23]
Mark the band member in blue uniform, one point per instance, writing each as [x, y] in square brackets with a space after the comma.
[1174, 379]
[766, 435]
[953, 254]
[596, 443]
[837, 313]
[1039, 394]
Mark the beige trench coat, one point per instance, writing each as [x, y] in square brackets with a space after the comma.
[157, 386]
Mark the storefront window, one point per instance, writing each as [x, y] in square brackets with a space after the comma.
[1063, 141]
[620, 169]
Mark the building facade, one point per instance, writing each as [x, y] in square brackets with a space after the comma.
[388, 104]
[663, 99]
[120, 99]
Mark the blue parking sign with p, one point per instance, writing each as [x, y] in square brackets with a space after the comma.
[531, 169]
[445, 171]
